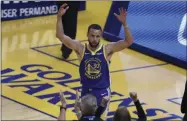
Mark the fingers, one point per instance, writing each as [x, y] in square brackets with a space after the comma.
[133, 94]
[106, 97]
[116, 14]
[77, 95]
[119, 9]
[63, 5]
[62, 96]
[104, 101]
[67, 8]
[122, 10]
[77, 101]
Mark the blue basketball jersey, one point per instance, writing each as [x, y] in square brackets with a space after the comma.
[94, 68]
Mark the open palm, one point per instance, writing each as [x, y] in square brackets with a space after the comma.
[63, 99]
[63, 9]
[122, 15]
[77, 101]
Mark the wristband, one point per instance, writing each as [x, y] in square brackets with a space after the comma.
[61, 107]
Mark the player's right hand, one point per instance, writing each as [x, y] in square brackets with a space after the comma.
[63, 99]
[77, 102]
[63, 9]
[134, 96]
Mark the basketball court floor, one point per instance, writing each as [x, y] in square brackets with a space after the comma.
[33, 72]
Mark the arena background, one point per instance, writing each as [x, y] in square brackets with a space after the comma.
[158, 28]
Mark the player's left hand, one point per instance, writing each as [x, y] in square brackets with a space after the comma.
[122, 15]
[104, 101]
[77, 102]
[62, 99]
[134, 96]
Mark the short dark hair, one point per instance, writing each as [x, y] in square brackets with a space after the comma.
[94, 26]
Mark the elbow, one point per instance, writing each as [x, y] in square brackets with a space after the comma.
[130, 42]
[57, 35]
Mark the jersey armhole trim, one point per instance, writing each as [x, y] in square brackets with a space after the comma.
[82, 55]
[104, 52]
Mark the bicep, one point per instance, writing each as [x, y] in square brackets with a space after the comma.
[70, 43]
[118, 46]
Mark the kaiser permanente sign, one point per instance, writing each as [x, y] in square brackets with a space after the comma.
[11, 10]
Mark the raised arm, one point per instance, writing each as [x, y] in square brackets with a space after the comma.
[128, 40]
[77, 106]
[62, 115]
[73, 44]
[139, 108]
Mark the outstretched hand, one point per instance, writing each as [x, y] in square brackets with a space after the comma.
[104, 101]
[122, 15]
[63, 10]
[77, 101]
[134, 96]
[63, 99]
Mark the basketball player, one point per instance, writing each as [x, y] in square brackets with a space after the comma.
[94, 57]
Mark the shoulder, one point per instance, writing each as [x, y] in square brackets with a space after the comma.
[80, 42]
[80, 45]
[108, 47]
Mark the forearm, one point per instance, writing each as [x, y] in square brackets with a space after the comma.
[61, 36]
[128, 36]
[62, 116]
[141, 113]
[59, 27]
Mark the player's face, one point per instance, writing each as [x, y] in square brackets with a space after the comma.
[94, 37]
